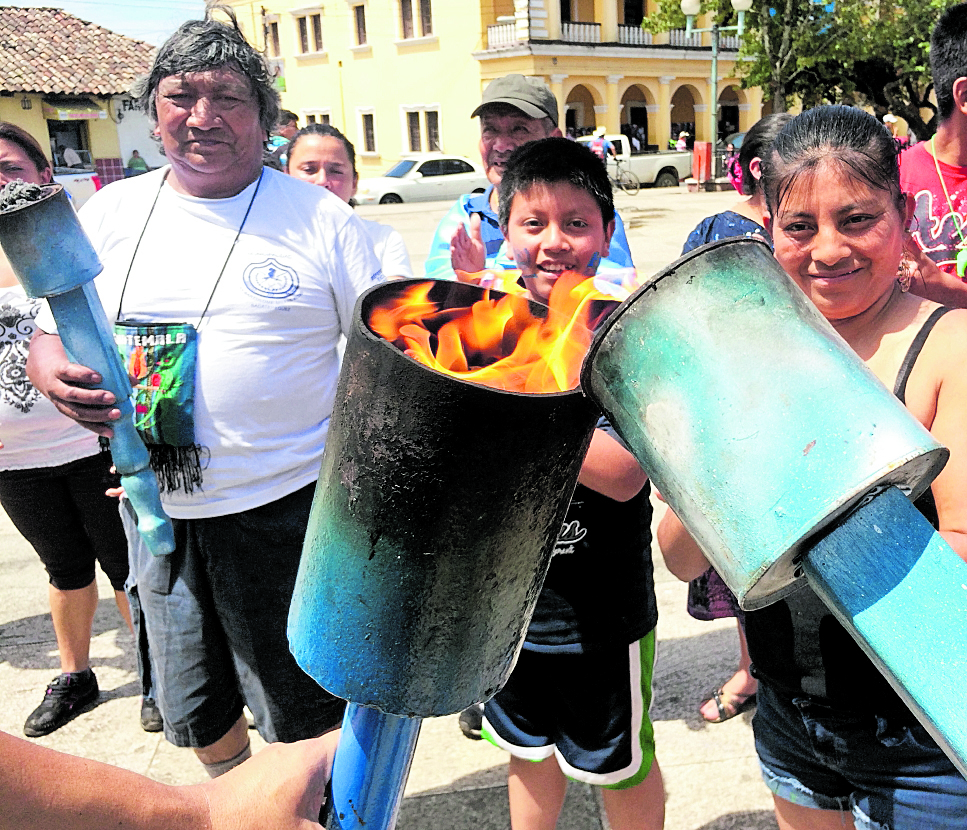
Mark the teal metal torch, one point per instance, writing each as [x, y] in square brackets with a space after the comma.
[53, 259]
[787, 460]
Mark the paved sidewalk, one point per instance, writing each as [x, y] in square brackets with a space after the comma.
[710, 770]
[711, 774]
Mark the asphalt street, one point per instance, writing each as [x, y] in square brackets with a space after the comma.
[711, 773]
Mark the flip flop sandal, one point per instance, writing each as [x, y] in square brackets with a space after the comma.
[732, 706]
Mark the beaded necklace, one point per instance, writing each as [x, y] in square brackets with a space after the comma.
[962, 253]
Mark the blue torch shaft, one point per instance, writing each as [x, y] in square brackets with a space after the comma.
[370, 769]
[87, 337]
[901, 591]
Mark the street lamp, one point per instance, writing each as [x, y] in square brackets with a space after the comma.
[691, 8]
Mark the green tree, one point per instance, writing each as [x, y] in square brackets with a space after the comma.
[883, 54]
[781, 47]
[855, 51]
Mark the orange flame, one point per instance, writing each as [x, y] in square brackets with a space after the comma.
[497, 341]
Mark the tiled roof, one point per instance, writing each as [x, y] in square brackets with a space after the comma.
[48, 50]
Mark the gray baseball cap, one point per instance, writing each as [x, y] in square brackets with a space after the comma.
[530, 95]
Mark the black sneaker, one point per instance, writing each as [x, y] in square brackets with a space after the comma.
[67, 696]
[471, 721]
[151, 720]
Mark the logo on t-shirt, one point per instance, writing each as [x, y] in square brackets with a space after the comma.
[571, 533]
[936, 229]
[271, 280]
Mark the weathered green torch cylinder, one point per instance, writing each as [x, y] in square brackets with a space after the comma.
[754, 419]
[433, 522]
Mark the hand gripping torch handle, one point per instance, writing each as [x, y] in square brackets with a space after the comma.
[86, 335]
[53, 259]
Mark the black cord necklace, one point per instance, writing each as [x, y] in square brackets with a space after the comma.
[238, 233]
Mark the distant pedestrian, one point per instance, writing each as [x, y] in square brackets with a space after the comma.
[732, 167]
[136, 164]
[70, 157]
[278, 144]
[600, 146]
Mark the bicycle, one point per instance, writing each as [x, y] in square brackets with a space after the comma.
[623, 178]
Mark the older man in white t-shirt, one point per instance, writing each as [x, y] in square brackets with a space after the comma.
[267, 269]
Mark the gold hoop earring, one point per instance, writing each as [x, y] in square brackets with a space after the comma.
[905, 272]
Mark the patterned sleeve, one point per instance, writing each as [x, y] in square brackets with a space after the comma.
[698, 237]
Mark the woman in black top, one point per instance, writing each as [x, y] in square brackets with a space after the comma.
[837, 745]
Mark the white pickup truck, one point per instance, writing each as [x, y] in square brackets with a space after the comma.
[81, 184]
[656, 169]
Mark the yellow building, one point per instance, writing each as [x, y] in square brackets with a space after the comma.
[403, 76]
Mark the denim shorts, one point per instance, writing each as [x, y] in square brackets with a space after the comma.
[886, 770]
[590, 711]
[215, 612]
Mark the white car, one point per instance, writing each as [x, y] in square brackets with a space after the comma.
[423, 177]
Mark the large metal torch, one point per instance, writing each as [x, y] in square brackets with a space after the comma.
[53, 259]
[787, 459]
[435, 514]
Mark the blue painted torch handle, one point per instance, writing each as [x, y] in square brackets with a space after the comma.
[87, 337]
[370, 770]
[901, 591]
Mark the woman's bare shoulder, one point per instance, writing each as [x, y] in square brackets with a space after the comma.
[944, 353]
[951, 329]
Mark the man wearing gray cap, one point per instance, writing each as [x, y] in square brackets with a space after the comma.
[515, 110]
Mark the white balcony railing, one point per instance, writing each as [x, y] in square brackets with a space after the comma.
[730, 42]
[501, 35]
[633, 36]
[677, 37]
[581, 32]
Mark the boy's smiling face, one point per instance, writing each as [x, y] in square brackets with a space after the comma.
[554, 228]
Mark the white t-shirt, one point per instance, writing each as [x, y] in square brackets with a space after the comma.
[267, 362]
[390, 249]
[33, 432]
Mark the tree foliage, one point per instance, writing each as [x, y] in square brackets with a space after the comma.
[783, 48]
[884, 49]
[781, 42]
[851, 51]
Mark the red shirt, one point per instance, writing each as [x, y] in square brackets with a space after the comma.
[935, 220]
